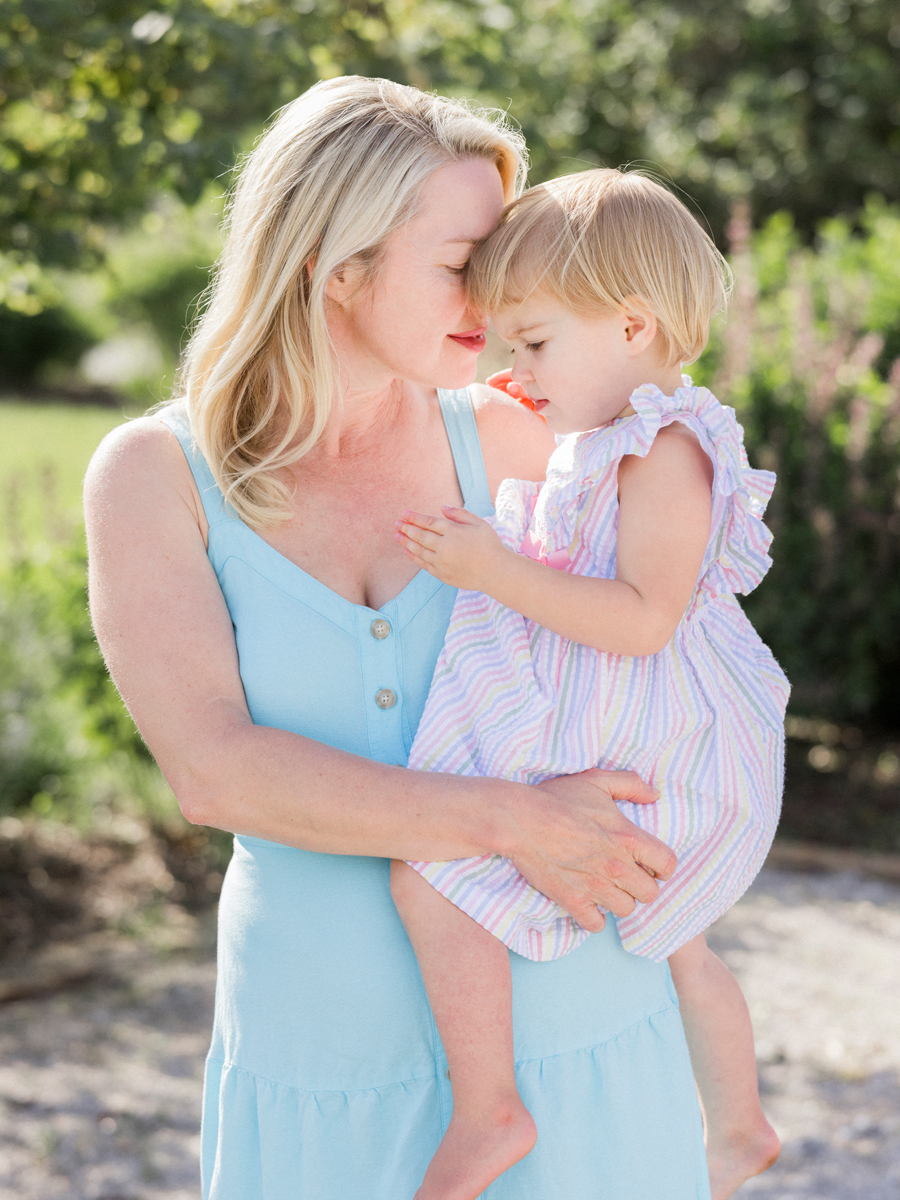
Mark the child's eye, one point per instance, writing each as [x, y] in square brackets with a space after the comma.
[533, 345]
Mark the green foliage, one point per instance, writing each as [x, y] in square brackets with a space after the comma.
[791, 104]
[809, 357]
[32, 343]
[159, 270]
[64, 732]
[105, 104]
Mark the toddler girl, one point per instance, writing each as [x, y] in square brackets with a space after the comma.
[598, 626]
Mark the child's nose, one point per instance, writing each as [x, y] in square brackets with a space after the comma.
[520, 374]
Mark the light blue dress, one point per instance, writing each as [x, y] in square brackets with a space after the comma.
[326, 1079]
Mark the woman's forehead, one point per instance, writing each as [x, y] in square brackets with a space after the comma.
[460, 203]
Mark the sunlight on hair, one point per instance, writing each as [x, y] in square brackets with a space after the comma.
[597, 240]
[337, 173]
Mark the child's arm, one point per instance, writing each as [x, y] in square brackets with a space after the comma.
[665, 509]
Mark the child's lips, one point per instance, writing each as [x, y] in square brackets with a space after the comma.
[473, 339]
[534, 405]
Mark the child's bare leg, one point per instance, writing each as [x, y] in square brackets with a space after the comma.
[467, 977]
[740, 1142]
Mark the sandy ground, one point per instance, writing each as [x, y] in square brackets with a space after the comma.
[100, 1083]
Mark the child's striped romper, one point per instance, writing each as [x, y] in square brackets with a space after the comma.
[702, 720]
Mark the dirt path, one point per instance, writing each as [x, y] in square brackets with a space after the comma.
[100, 1085]
[818, 957]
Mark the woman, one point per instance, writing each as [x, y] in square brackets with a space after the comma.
[276, 652]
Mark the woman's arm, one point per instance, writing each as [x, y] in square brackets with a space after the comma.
[665, 507]
[164, 628]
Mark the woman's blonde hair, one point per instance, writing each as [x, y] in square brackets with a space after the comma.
[337, 173]
[598, 239]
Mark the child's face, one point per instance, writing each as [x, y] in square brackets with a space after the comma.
[579, 370]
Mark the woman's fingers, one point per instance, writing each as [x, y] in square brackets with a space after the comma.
[622, 785]
[581, 851]
[587, 915]
[654, 857]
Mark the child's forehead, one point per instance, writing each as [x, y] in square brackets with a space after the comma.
[541, 308]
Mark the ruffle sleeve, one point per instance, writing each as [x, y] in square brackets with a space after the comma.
[737, 557]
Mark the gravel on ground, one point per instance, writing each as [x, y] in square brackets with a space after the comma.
[818, 958]
[100, 1081]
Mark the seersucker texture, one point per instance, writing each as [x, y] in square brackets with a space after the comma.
[702, 720]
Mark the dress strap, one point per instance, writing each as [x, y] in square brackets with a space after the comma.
[462, 433]
[174, 417]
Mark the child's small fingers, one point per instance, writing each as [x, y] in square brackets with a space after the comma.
[423, 521]
[460, 516]
[413, 546]
[423, 537]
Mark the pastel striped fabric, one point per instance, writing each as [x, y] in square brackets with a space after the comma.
[703, 720]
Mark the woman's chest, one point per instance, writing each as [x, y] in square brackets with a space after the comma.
[343, 529]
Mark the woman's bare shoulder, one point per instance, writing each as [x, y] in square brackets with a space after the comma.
[142, 442]
[515, 442]
[140, 463]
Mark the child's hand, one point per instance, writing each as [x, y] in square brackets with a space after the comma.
[503, 382]
[459, 548]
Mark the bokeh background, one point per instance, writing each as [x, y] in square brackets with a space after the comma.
[778, 121]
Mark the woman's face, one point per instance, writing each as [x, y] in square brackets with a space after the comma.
[414, 321]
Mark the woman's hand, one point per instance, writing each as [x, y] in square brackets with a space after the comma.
[459, 548]
[578, 849]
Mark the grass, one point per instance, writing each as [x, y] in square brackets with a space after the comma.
[44, 452]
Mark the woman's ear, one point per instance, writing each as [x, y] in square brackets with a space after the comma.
[336, 289]
[640, 326]
[343, 283]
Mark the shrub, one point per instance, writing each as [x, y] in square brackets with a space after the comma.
[32, 342]
[64, 731]
[809, 359]
[69, 751]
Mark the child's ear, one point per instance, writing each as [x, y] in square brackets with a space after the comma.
[640, 325]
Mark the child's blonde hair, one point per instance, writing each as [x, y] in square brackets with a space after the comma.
[339, 171]
[598, 239]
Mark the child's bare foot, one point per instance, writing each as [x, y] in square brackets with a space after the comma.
[732, 1161]
[476, 1150]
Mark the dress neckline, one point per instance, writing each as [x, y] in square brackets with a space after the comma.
[269, 550]
[468, 464]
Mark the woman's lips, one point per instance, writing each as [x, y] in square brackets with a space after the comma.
[471, 340]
